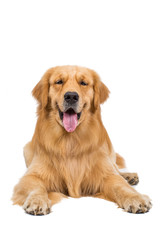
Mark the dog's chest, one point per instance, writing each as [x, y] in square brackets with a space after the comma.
[73, 172]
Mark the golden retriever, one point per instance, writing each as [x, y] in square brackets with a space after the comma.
[70, 153]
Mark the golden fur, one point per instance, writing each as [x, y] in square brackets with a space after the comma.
[79, 163]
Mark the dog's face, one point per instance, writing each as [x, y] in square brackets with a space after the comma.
[72, 92]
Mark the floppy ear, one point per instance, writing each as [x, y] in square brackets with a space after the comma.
[40, 91]
[101, 92]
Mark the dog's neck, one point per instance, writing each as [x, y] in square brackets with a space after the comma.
[54, 138]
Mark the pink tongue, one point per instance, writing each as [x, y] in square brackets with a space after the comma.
[70, 121]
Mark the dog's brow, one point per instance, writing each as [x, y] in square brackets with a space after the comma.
[80, 76]
[57, 76]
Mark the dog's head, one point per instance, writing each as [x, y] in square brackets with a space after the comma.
[71, 93]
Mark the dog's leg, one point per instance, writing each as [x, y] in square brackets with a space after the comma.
[116, 189]
[131, 178]
[28, 153]
[32, 194]
[56, 197]
[120, 161]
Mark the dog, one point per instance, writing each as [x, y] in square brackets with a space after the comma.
[70, 153]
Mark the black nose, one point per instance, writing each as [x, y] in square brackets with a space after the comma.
[71, 97]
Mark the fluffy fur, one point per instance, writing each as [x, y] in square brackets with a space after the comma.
[80, 163]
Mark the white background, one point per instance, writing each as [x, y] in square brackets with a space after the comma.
[121, 41]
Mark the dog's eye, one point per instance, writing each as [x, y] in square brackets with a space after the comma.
[60, 81]
[83, 83]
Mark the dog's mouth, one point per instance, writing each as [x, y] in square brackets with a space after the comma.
[69, 118]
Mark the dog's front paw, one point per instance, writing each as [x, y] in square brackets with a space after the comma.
[37, 205]
[137, 204]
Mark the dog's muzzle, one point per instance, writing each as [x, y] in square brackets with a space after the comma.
[70, 116]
